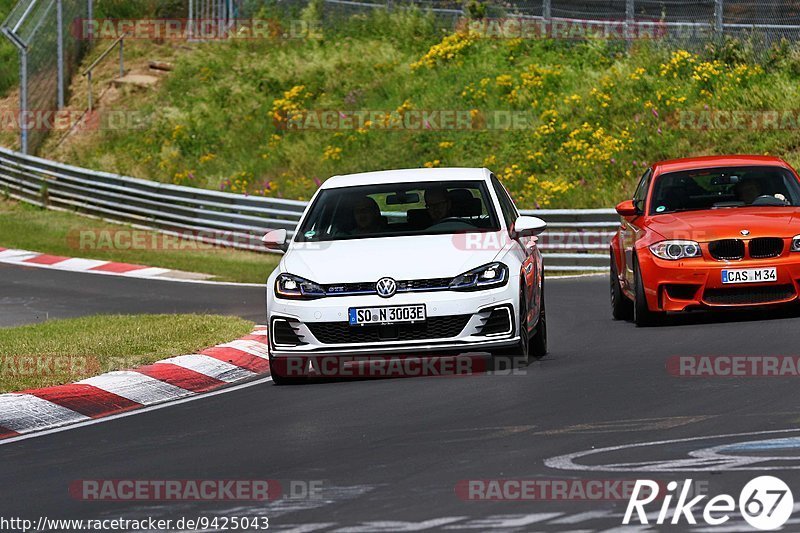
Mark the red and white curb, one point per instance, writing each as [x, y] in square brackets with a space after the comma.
[94, 266]
[115, 392]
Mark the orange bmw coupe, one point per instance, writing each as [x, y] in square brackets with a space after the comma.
[707, 232]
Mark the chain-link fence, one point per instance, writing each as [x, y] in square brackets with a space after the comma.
[687, 21]
[49, 51]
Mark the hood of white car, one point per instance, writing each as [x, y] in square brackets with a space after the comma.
[401, 258]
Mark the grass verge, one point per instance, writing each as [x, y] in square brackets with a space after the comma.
[64, 351]
[53, 232]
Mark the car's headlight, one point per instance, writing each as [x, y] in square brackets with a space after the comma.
[295, 287]
[796, 243]
[485, 277]
[674, 250]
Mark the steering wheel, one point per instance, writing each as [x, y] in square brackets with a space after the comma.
[453, 220]
[768, 199]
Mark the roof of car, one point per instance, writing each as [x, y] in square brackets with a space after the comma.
[410, 175]
[691, 163]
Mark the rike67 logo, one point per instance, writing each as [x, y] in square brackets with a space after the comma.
[765, 503]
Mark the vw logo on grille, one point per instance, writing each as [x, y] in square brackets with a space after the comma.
[745, 232]
[386, 287]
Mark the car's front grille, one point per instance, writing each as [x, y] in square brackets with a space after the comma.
[763, 247]
[726, 249]
[749, 295]
[368, 287]
[499, 321]
[435, 327]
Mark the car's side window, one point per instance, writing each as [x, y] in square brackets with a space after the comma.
[640, 195]
[506, 204]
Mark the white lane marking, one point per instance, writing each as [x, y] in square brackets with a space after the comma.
[79, 264]
[24, 413]
[504, 521]
[135, 412]
[211, 367]
[136, 387]
[393, 525]
[146, 272]
[256, 348]
[583, 517]
[567, 462]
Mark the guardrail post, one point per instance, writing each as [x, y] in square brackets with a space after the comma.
[23, 100]
[60, 51]
[718, 23]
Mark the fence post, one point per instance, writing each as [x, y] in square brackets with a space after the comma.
[629, 19]
[90, 16]
[60, 51]
[546, 11]
[23, 100]
[718, 27]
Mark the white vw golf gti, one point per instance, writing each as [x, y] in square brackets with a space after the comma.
[406, 263]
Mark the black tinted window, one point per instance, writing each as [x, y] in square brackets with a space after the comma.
[729, 187]
[397, 209]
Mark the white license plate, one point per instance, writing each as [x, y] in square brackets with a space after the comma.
[387, 315]
[749, 275]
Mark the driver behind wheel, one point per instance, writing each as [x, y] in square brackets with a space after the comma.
[748, 190]
[437, 203]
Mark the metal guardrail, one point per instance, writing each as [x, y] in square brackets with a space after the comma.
[576, 240]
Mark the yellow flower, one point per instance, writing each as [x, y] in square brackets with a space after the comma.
[444, 145]
[450, 47]
[332, 154]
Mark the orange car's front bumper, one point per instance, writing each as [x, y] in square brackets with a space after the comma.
[697, 283]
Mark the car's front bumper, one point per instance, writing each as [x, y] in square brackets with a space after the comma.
[454, 323]
[697, 283]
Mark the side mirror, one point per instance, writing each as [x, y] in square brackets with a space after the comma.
[627, 209]
[529, 226]
[275, 239]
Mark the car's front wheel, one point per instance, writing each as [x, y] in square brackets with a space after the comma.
[621, 306]
[642, 315]
[538, 344]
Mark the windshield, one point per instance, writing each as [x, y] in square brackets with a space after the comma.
[724, 188]
[391, 210]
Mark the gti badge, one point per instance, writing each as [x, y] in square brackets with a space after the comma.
[386, 287]
[745, 232]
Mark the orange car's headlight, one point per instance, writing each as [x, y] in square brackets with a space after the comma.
[795, 243]
[674, 250]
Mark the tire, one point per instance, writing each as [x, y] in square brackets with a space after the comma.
[642, 315]
[621, 306]
[538, 344]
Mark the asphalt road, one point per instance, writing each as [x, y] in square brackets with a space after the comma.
[389, 453]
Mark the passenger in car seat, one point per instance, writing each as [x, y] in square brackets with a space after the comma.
[367, 216]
